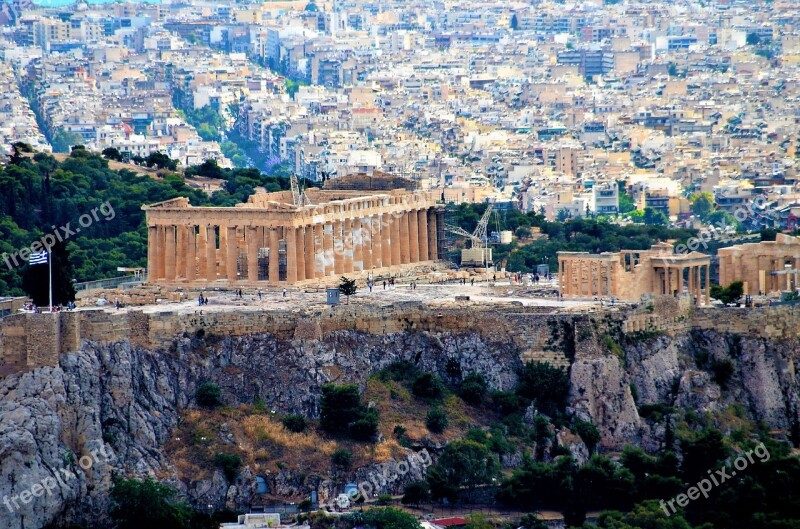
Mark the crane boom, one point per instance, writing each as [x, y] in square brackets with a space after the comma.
[478, 237]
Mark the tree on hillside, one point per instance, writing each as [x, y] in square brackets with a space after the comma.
[62, 140]
[148, 503]
[466, 464]
[112, 153]
[161, 160]
[342, 413]
[386, 518]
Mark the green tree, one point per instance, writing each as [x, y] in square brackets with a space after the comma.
[655, 217]
[730, 294]
[753, 39]
[545, 384]
[436, 420]
[387, 518]
[428, 386]
[209, 395]
[342, 457]
[295, 423]
[112, 153]
[63, 140]
[474, 388]
[161, 160]
[588, 432]
[347, 287]
[416, 492]
[342, 413]
[229, 463]
[463, 464]
[702, 204]
[148, 503]
[626, 203]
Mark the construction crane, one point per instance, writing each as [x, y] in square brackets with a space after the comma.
[479, 253]
[299, 197]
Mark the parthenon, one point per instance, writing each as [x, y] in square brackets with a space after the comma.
[270, 239]
[763, 267]
[631, 274]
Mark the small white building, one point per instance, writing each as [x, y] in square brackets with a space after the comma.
[261, 520]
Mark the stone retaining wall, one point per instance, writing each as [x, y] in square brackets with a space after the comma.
[34, 340]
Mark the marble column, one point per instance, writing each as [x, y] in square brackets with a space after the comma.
[202, 255]
[327, 232]
[413, 234]
[433, 244]
[319, 252]
[291, 255]
[169, 253]
[310, 253]
[358, 251]
[394, 220]
[180, 257]
[338, 248]
[405, 255]
[252, 254]
[300, 252]
[222, 260]
[708, 284]
[191, 253]
[160, 252]
[347, 246]
[211, 253]
[377, 241]
[422, 217]
[386, 239]
[274, 259]
[152, 247]
[366, 242]
[231, 251]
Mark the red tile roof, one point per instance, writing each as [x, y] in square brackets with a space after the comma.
[449, 522]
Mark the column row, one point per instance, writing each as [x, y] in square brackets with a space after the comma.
[268, 253]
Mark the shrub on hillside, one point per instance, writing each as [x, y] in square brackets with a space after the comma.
[436, 421]
[428, 386]
[295, 423]
[209, 395]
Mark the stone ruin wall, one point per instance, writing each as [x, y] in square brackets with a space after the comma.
[33, 340]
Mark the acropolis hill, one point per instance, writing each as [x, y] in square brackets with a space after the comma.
[74, 381]
[34, 340]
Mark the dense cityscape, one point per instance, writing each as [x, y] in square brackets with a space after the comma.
[372, 264]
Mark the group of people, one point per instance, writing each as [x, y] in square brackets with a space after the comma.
[34, 308]
[603, 301]
[201, 300]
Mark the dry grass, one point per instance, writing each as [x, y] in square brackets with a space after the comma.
[266, 446]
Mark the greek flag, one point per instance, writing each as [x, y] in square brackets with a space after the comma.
[38, 258]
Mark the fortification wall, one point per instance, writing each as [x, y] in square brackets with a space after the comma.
[33, 340]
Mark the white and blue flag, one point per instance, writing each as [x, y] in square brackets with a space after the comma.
[38, 258]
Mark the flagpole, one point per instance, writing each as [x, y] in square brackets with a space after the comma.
[50, 269]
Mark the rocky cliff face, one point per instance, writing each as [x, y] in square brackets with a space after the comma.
[122, 403]
[127, 400]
